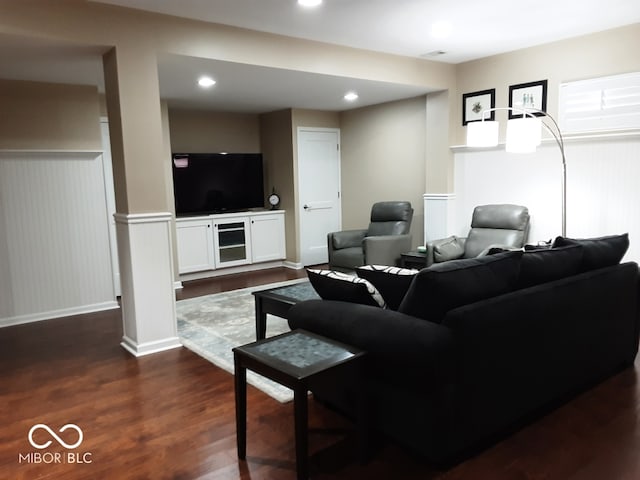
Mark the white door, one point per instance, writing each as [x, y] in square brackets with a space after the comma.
[319, 191]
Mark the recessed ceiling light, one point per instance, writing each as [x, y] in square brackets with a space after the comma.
[441, 29]
[351, 96]
[309, 3]
[206, 82]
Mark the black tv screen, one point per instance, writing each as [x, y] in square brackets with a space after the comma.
[206, 183]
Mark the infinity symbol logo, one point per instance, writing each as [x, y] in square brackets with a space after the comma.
[53, 434]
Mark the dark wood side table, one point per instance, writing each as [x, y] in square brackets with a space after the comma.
[413, 259]
[277, 301]
[297, 360]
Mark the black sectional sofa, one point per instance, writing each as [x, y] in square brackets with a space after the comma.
[476, 347]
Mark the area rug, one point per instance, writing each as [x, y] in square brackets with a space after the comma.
[212, 325]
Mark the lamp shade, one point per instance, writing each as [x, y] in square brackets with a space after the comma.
[482, 134]
[523, 135]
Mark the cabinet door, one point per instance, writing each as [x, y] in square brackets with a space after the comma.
[195, 246]
[268, 240]
[232, 241]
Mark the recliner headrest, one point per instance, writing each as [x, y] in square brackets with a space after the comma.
[509, 217]
[391, 212]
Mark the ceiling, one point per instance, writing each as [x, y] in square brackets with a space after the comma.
[479, 28]
[402, 27]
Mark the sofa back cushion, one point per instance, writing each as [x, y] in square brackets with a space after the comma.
[443, 286]
[392, 282]
[545, 265]
[598, 252]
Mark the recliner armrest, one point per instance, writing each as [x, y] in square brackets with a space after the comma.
[346, 239]
[385, 249]
[432, 244]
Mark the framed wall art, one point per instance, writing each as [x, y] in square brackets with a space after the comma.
[526, 96]
[474, 103]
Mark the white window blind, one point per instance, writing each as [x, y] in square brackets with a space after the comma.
[605, 103]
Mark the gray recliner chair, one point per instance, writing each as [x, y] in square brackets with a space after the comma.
[381, 244]
[492, 226]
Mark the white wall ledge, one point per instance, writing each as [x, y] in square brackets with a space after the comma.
[53, 153]
[568, 139]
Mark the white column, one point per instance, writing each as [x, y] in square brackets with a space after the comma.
[439, 215]
[146, 269]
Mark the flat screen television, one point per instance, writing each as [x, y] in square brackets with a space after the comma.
[205, 183]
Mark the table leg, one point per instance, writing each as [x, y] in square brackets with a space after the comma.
[301, 428]
[362, 415]
[241, 407]
[261, 320]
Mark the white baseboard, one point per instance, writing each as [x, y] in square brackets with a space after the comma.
[293, 265]
[229, 270]
[65, 312]
[139, 350]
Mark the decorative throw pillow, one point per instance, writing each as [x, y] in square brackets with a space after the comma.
[391, 282]
[332, 285]
[449, 249]
[546, 265]
[444, 286]
[598, 252]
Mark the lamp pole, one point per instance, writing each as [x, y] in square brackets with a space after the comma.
[557, 135]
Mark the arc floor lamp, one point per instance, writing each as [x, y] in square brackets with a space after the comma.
[524, 134]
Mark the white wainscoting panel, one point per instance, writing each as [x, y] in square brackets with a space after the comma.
[148, 297]
[439, 215]
[54, 239]
[603, 194]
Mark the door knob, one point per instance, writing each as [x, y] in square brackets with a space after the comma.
[306, 207]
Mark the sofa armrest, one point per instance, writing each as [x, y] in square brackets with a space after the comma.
[399, 347]
[385, 249]
[346, 239]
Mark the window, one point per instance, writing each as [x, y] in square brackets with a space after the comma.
[605, 103]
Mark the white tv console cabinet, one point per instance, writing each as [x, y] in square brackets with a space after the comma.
[245, 240]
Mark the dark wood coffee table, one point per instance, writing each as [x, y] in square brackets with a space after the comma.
[277, 301]
[298, 359]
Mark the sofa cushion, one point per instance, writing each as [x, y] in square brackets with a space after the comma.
[546, 265]
[444, 286]
[332, 285]
[598, 252]
[450, 249]
[391, 282]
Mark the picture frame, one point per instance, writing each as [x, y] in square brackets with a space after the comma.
[474, 103]
[528, 95]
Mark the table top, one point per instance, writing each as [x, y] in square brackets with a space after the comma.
[298, 292]
[299, 353]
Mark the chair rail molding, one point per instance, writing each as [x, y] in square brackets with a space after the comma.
[439, 212]
[148, 298]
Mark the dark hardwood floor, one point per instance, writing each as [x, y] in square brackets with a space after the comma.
[171, 416]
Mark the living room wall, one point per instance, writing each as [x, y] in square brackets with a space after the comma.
[604, 53]
[276, 145]
[55, 252]
[37, 115]
[198, 131]
[601, 194]
[383, 158]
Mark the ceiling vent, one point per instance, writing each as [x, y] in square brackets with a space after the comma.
[435, 53]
